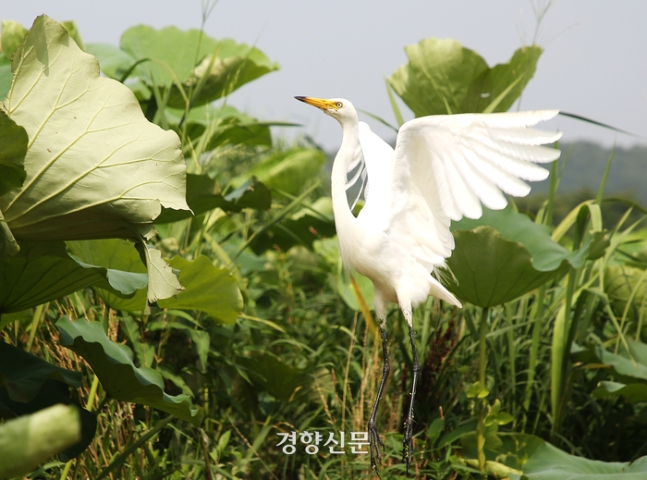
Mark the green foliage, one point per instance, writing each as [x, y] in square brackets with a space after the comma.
[550, 463]
[491, 270]
[633, 393]
[29, 384]
[287, 171]
[629, 366]
[124, 269]
[625, 285]
[113, 365]
[201, 334]
[30, 440]
[13, 147]
[311, 223]
[103, 193]
[105, 196]
[443, 77]
[13, 35]
[504, 255]
[190, 65]
[119, 256]
[206, 288]
[22, 375]
[5, 75]
[204, 194]
[585, 166]
[43, 271]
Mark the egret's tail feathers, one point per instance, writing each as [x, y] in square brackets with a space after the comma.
[437, 290]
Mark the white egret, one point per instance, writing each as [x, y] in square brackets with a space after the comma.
[443, 168]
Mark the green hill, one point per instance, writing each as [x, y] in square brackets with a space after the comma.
[585, 164]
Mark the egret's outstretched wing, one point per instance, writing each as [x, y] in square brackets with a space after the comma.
[446, 166]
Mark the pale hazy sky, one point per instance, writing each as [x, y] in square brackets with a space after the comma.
[594, 64]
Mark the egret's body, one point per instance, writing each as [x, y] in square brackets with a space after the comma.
[443, 168]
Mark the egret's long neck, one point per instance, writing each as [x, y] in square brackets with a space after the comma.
[350, 148]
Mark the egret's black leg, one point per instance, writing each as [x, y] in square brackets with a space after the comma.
[407, 441]
[375, 442]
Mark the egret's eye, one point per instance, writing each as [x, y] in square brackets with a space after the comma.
[339, 105]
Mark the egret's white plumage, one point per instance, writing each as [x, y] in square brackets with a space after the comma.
[443, 168]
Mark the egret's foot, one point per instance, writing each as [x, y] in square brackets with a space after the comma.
[374, 444]
[407, 443]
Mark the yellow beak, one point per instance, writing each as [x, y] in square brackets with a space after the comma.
[321, 103]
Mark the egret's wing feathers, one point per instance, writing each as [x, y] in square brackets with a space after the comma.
[363, 186]
[447, 166]
[372, 147]
[358, 163]
[378, 157]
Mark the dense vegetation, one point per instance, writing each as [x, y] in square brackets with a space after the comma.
[171, 272]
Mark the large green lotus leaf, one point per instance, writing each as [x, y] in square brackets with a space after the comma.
[503, 255]
[115, 255]
[13, 148]
[172, 53]
[203, 194]
[132, 329]
[95, 165]
[288, 171]
[547, 255]
[43, 271]
[550, 463]
[206, 288]
[443, 77]
[207, 68]
[136, 303]
[22, 374]
[302, 228]
[490, 270]
[216, 77]
[96, 168]
[125, 270]
[113, 364]
[13, 34]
